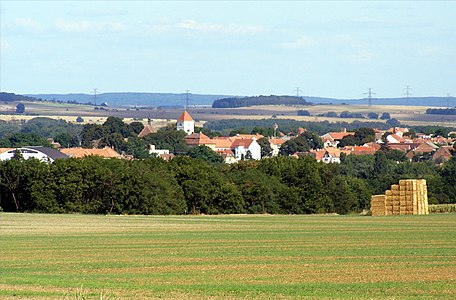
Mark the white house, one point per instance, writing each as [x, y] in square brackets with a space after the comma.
[158, 152]
[246, 148]
[41, 153]
[186, 123]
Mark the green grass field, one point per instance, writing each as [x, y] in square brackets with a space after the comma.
[227, 257]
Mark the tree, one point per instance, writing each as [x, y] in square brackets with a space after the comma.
[305, 113]
[116, 125]
[372, 115]
[20, 108]
[205, 153]
[348, 140]
[364, 135]
[136, 127]
[266, 150]
[313, 140]
[298, 144]
[168, 138]
[79, 119]
[91, 132]
[66, 140]
[393, 122]
[395, 155]
[385, 116]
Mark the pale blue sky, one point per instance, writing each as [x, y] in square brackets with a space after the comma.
[327, 48]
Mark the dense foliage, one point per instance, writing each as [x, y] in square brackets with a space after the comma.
[289, 125]
[11, 97]
[441, 111]
[187, 185]
[259, 100]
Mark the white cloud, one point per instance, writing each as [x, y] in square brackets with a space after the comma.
[80, 26]
[232, 29]
[301, 43]
[29, 24]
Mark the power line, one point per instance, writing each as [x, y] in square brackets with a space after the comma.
[407, 94]
[186, 99]
[369, 96]
[297, 90]
[95, 96]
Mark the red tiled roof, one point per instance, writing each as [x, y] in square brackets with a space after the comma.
[317, 154]
[242, 142]
[223, 142]
[276, 141]
[185, 116]
[247, 136]
[81, 152]
[196, 139]
[148, 129]
[397, 138]
[2, 150]
[340, 135]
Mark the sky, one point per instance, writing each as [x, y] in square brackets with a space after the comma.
[326, 48]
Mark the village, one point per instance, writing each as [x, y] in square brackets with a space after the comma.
[239, 147]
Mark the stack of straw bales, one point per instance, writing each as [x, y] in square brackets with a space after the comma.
[409, 197]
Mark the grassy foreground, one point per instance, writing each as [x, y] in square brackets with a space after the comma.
[227, 257]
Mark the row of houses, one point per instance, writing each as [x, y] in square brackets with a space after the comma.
[439, 148]
[246, 146]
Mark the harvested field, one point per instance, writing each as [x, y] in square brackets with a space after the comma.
[409, 115]
[227, 257]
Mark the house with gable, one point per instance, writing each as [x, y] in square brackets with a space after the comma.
[186, 123]
[199, 139]
[443, 154]
[332, 139]
[246, 148]
[148, 129]
[43, 154]
[275, 144]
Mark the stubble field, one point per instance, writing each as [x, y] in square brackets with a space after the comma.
[227, 257]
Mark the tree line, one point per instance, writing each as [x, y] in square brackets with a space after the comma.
[259, 100]
[185, 185]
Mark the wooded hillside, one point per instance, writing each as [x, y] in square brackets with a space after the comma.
[259, 100]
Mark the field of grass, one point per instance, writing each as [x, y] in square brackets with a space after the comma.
[227, 257]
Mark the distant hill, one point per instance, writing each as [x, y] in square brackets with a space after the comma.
[259, 100]
[417, 101]
[178, 100]
[11, 97]
[135, 99]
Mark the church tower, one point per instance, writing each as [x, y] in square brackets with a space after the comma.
[186, 123]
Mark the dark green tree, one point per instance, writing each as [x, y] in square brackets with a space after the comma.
[205, 153]
[372, 115]
[20, 108]
[266, 150]
[385, 116]
[136, 127]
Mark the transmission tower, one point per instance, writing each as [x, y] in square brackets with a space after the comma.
[448, 100]
[407, 94]
[369, 96]
[95, 96]
[297, 90]
[186, 99]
